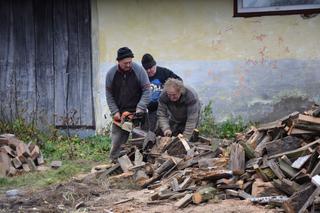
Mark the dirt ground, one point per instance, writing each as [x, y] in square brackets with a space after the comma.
[97, 195]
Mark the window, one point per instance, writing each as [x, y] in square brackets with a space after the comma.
[249, 8]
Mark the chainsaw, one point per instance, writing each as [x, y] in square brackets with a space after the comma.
[128, 120]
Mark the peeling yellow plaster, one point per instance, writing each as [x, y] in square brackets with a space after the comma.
[202, 30]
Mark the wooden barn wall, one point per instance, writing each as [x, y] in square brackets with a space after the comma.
[45, 62]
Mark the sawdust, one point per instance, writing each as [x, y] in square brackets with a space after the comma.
[97, 195]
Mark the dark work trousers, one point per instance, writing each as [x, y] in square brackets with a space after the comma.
[153, 120]
[118, 137]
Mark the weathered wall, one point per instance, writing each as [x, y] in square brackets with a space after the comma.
[247, 66]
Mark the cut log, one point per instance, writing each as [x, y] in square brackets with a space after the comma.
[31, 164]
[212, 163]
[35, 152]
[56, 164]
[298, 199]
[310, 200]
[287, 169]
[286, 186]
[269, 199]
[186, 182]
[263, 189]
[4, 164]
[23, 150]
[198, 174]
[174, 185]
[16, 162]
[288, 143]
[308, 119]
[255, 139]
[298, 164]
[138, 158]
[308, 127]
[298, 152]
[125, 163]
[183, 202]
[26, 167]
[204, 195]
[195, 136]
[167, 165]
[237, 159]
[9, 151]
[140, 177]
[275, 169]
[178, 147]
[40, 159]
[259, 150]
[249, 152]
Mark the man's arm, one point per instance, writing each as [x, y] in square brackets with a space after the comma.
[193, 118]
[110, 100]
[163, 116]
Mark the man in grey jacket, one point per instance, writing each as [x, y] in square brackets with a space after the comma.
[179, 109]
[127, 90]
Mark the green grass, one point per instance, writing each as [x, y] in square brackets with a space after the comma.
[77, 154]
[39, 179]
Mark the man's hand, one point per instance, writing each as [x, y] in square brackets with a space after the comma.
[117, 116]
[167, 133]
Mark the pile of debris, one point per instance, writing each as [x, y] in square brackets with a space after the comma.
[275, 163]
[17, 156]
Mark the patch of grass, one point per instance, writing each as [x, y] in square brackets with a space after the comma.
[40, 179]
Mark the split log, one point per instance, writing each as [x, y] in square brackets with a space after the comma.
[16, 162]
[310, 200]
[195, 136]
[237, 159]
[286, 186]
[287, 169]
[298, 164]
[298, 199]
[4, 164]
[23, 150]
[298, 152]
[249, 152]
[199, 174]
[269, 199]
[288, 143]
[183, 202]
[275, 169]
[125, 163]
[210, 163]
[259, 150]
[204, 195]
[308, 119]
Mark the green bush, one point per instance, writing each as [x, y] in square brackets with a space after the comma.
[226, 129]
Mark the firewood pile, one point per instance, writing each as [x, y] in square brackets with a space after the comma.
[17, 156]
[275, 163]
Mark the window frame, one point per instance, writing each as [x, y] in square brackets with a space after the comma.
[306, 9]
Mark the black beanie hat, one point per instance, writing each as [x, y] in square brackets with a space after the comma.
[147, 61]
[124, 52]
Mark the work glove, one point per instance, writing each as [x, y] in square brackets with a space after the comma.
[167, 133]
[117, 116]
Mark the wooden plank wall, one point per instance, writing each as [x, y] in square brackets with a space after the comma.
[45, 62]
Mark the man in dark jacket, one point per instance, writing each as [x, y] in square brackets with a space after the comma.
[179, 109]
[127, 90]
[157, 77]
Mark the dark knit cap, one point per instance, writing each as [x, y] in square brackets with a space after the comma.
[124, 52]
[147, 61]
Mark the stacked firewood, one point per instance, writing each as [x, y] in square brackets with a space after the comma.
[17, 156]
[275, 163]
